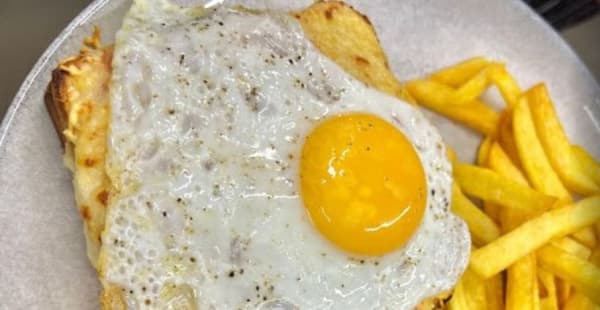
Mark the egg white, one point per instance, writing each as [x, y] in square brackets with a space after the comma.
[209, 113]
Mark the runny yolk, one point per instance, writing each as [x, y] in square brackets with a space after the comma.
[362, 183]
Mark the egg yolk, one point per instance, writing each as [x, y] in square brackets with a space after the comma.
[362, 183]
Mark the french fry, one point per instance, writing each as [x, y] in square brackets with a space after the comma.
[451, 154]
[434, 96]
[482, 154]
[492, 210]
[521, 284]
[532, 157]
[507, 85]
[484, 150]
[488, 185]
[458, 300]
[430, 92]
[587, 163]
[581, 273]
[595, 257]
[482, 228]
[504, 251]
[460, 73]
[521, 277]
[550, 299]
[534, 161]
[472, 89]
[537, 296]
[573, 247]
[586, 236]
[556, 144]
[563, 291]
[469, 293]
[524, 146]
[506, 137]
[500, 162]
[578, 301]
[494, 292]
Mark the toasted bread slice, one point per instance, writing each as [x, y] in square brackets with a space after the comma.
[78, 103]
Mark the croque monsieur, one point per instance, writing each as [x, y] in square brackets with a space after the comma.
[208, 168]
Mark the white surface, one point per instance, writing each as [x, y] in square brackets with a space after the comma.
[43, 262]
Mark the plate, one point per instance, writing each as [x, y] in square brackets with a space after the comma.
[42, 261]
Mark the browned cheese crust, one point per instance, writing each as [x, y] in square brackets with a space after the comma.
[77, 101]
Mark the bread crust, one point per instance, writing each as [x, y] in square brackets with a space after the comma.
[54, 99]
[77, 101]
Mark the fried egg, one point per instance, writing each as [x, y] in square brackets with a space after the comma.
[253, 172]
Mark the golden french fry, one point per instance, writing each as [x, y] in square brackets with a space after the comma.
[430, 92]
[476, 115]
[460, 73]
[537, 297]
[587, 163]
[434, 96]
[556, 144]
[581, 273]
[550, 299]
[573, 247]
[458, 300]
[499, 162]
[494, 292]
[521, 284]
[483, 151]
[595, 257]
[521, 277]
[532, 157]
[451, 154]
[482, 228]
[586, 236]
[472, 89]
[482, 154]
[563, 291]
[492, 210]
[490, 186]
[506, 137]
[507, 85]
[578, 301]
[469, 293]
[504, 251]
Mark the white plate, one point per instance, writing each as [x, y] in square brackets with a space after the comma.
[42, 257]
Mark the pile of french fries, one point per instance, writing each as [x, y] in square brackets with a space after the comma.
[536, 234]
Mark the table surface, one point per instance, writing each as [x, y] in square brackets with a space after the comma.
[28, 26]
